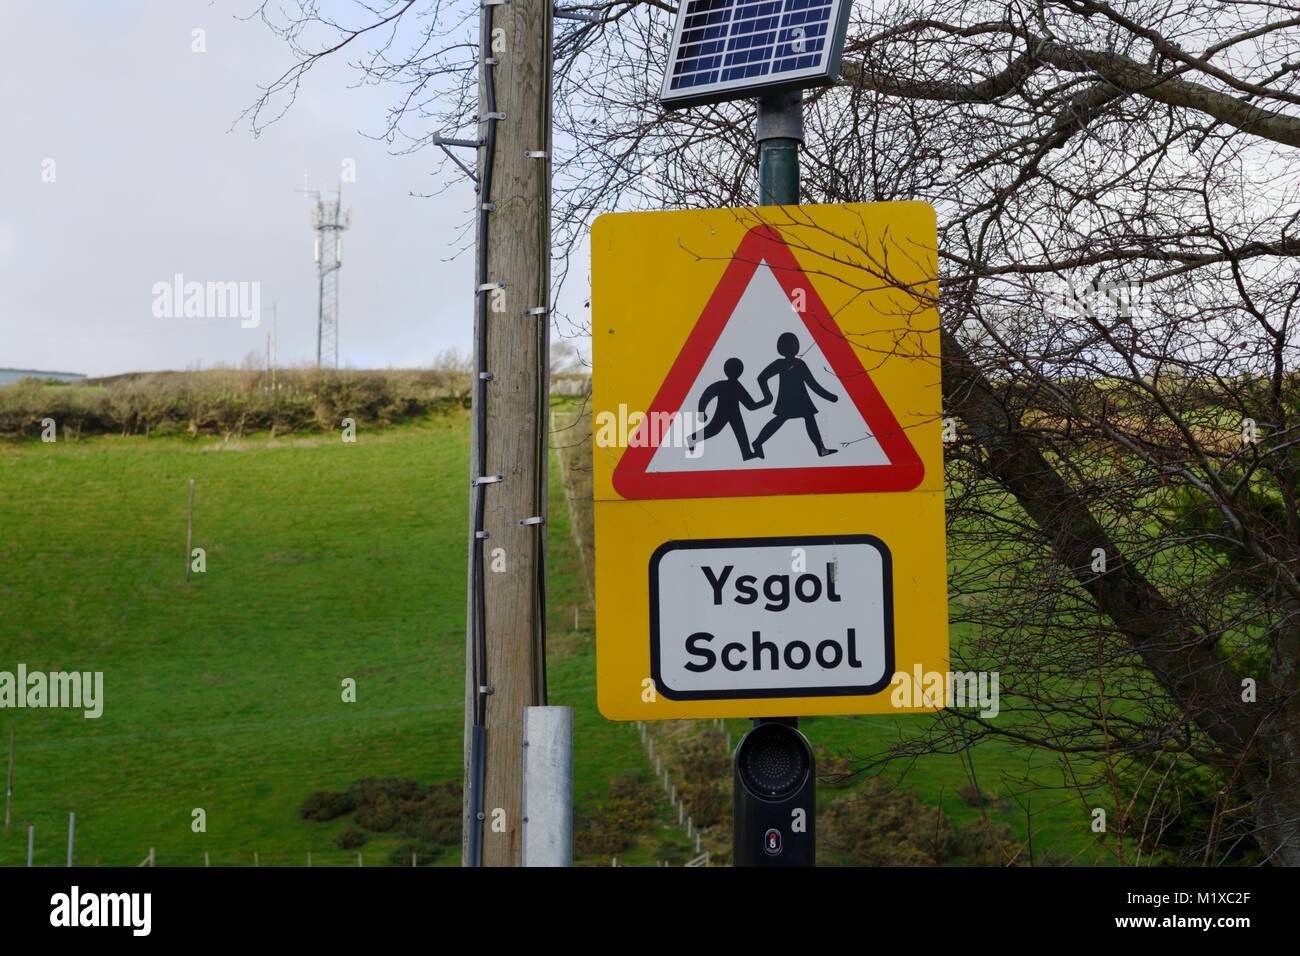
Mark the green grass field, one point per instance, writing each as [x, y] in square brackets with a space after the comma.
[325, 560]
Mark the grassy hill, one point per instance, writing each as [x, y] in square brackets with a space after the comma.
[325, 561]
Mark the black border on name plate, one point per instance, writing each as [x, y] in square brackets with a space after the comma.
[887, 572]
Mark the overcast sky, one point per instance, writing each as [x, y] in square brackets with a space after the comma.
[150, 181]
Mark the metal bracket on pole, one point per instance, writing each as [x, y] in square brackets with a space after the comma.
[438, 140]
[535, 519]
[780, 116]
[485, 480]
[445, 145]
[540, 310]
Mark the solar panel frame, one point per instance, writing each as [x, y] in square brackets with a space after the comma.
[755, 46]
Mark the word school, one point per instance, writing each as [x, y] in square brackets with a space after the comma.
[75, 690]
[797, 654]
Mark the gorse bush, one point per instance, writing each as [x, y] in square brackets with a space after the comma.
[884, 824]
[704, 765]
[326, 805]
[424, 855]
[427, 817]
[351, 838]
[371, 790]
[617, 822]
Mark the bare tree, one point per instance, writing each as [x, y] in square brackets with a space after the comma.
[1117, 203]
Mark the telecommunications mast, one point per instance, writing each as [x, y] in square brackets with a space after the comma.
[328, 220]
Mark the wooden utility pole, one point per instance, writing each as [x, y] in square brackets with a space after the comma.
[505, 669]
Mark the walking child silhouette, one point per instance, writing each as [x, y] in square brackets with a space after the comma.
[792, 400]
[729, 395]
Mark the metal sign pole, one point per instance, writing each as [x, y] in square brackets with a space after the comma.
[779, 132]
[774, 814]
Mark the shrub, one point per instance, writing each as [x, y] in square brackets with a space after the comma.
[351, 838]
[834, 771]
[703, 759]
[425, 854]
[231, 402]
[981, 844]
[709, 806]
[326, 805]
[671, 853]
[883, 824]
[437, 821]
[428, 817]
[1173, 815]
[618, 821]
[379, 815]
[369, 790]
[973, 796]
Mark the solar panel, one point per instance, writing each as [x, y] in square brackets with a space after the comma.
[725, 49]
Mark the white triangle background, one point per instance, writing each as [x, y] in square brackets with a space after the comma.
[763, 313]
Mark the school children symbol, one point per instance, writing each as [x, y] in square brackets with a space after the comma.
[793, 401]
[782, 400]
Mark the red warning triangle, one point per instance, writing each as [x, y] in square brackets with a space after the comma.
[771, 377]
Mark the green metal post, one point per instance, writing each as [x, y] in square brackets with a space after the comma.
[780, 134]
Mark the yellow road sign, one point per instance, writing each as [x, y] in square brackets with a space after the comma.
[768, 462]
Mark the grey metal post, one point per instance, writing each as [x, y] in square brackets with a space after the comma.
[548, 786]
[779, 132]
[31, 841]
[72, 829]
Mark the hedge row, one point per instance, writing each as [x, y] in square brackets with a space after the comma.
[229, 402]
